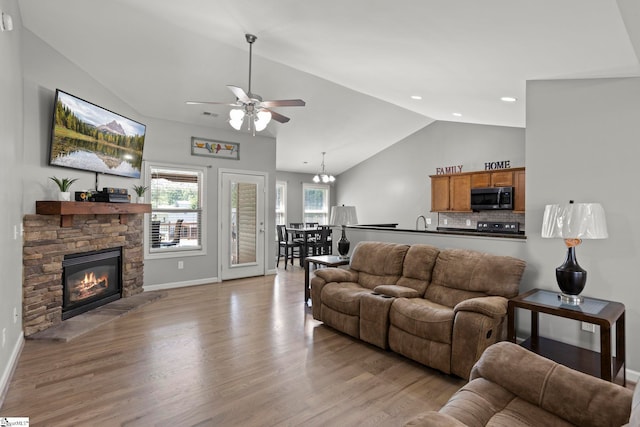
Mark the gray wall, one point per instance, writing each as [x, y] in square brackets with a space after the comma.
[11, 138]
[166, 141]
[400, 173]
[582, 144]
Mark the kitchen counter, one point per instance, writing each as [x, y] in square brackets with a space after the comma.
[471, 232]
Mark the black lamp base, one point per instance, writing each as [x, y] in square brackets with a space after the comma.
[571, 279]
[343, 244]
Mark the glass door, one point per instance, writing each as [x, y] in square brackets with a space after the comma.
[242, 236]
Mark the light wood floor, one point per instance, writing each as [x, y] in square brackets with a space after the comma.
[244, 352]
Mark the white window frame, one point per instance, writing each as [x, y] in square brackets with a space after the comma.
[176, 252]
[283, 184]
[326, 187]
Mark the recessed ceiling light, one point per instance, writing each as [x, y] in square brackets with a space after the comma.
[416, 97]
[508, 99]
[457, 114]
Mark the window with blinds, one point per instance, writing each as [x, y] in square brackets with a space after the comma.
[176, 195]
[281, 203]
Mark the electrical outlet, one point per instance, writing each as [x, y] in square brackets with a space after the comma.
[446, 221]
[428, 221]
[180, 265]
[589, 327]
[4, 336]
[468, 222]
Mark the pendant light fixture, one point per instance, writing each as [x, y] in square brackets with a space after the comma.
[324, 177]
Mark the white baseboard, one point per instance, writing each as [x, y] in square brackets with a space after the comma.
[11, 367]
[162, 286]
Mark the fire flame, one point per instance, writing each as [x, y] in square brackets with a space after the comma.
[89, 286]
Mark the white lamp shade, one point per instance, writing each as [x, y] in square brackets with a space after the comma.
[316, 179]
[343, 215]
[574, 221]
[236, 124]
[236, 117]
[236, 114]
[262, 120]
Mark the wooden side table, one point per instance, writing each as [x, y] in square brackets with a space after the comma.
[603, 313]
[328, 260]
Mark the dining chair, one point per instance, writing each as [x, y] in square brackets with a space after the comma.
[286, 246]
[323, 245]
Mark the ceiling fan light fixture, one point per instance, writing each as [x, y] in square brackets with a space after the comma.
[323, 177]
[236, 114]
[263, 117]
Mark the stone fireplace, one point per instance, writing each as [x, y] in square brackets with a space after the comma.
[49, 238]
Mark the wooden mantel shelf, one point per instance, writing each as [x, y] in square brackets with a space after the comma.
[67, 210]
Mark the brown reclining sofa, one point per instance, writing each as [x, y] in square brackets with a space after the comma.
[441, 308]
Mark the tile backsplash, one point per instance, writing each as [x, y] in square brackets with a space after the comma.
[460, 219]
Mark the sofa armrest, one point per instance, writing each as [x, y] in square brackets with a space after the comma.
[478, 323]
[334, 274]
[397, 291]
[578, 398]
[434, 419]
[494, 307]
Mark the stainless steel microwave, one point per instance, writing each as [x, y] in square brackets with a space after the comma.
[490, 198]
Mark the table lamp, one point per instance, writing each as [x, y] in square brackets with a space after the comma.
[573, 222]
[343, 215]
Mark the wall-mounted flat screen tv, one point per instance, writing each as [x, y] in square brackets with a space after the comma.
[85, 136]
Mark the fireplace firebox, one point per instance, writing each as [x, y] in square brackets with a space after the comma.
[90, 279]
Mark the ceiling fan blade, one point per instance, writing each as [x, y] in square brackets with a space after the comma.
[240, 94]
[278, 117]
[209, 103]
[284, 103]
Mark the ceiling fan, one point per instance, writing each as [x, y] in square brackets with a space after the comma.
[251, 105]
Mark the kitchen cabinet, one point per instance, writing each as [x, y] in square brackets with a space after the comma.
[519, 190]
[452, 193]
[439, 193]
[481, 180]
[460, 193]
[502, 179]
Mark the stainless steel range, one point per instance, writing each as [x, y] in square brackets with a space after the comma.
[498, 227]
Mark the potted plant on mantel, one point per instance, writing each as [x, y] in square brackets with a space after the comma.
[63, 184]
[140, 190]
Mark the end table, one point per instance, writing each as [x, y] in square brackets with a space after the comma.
[603, 313]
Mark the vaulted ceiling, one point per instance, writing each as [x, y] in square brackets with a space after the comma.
[356, 63]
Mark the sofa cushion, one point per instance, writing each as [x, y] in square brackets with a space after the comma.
[461, 274]
[378, 263]
[572, 395]
[418, 267]
[484, 403]
[423, 318]
[343, 297]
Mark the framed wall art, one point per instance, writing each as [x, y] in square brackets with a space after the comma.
[212, 148]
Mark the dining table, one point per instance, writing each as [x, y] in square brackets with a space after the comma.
[303, 235]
